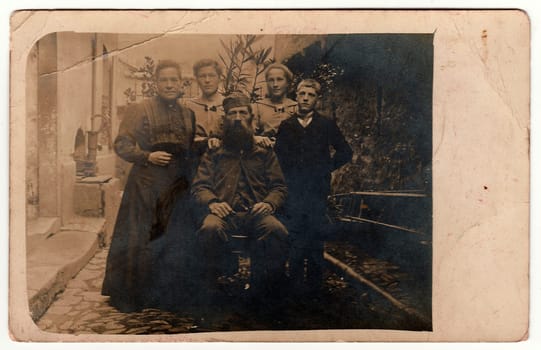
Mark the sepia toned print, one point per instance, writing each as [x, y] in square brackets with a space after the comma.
[198, 183]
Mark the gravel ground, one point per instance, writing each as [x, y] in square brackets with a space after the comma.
[82, 309]
[401, 284]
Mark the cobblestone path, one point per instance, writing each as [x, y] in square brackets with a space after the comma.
[81, 309]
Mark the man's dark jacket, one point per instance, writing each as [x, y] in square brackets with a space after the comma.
[219, 171]
[306, 160]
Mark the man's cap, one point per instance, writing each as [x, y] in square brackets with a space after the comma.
[235, 100]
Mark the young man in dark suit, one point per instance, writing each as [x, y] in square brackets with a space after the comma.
[303, 146]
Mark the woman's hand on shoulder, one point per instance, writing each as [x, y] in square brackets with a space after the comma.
[263, 141]
[214, 143]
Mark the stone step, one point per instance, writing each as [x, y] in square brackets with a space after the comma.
[43, 226]
[84, 223]
[95, 179]
[52, 262]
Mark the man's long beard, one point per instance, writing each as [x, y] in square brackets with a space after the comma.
[238, 137]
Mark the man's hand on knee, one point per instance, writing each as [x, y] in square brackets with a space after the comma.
[262, 208]
[220, 209]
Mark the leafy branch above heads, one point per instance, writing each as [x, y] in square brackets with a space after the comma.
[243, 65]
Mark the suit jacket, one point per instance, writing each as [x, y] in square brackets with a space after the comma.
[219, 171]
[306, 160]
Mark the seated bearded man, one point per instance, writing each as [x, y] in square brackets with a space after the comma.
[241, 184]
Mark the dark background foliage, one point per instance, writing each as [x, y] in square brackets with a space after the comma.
[379, 89]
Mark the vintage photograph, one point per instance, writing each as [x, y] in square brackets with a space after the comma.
[178, 182]
[200, 183]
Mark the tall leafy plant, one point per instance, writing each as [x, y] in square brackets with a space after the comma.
[243, 65]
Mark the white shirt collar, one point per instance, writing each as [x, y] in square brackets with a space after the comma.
[306, 120]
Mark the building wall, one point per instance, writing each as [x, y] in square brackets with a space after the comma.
[74, 89]
[47, 106]
[65, 87]
[32, 166]
[75, 52]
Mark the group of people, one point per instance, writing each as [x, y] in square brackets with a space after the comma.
[208, 168]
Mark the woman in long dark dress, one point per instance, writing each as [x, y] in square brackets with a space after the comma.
[156, 136]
